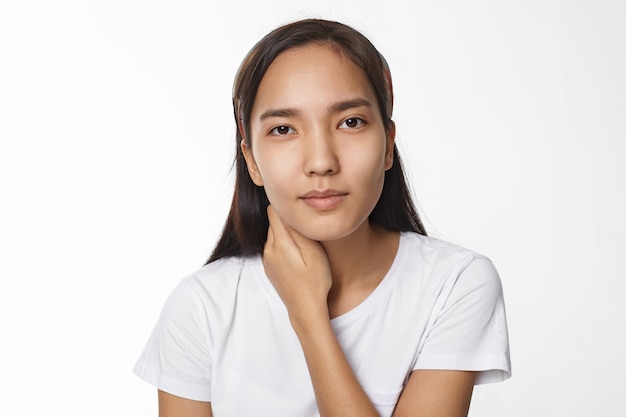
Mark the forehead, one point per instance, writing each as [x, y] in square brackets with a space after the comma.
[311, 74]
[314, 50]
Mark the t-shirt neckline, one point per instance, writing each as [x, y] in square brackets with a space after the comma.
[359, 311]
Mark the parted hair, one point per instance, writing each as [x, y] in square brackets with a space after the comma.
[245, 231]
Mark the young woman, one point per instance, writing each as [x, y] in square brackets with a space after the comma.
[324, 296]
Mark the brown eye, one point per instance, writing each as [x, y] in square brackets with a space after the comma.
[352, 123]
[282, 130]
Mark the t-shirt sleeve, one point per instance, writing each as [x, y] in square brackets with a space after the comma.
[177, 357]
[469, 331]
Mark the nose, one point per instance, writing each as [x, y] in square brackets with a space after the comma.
[320, 157]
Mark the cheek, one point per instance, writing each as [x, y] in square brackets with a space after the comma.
[368, 165]
[277, 174]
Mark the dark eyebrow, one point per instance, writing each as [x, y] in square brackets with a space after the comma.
[279, 113]
[349, 104]
[334, 108]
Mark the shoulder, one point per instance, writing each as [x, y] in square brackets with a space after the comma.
[431, 252]
[212, 285]
[221, 274]
[461, 303]
[443, 263]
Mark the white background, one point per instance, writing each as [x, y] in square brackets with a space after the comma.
[116, 143]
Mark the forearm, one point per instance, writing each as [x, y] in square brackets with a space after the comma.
[299, 270]
[337, 390]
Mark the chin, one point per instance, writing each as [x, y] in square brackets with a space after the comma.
[325, 237]
[328, 232]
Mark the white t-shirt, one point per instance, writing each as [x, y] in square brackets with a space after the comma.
[224, 335]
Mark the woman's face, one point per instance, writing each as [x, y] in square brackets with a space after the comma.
[319, 146]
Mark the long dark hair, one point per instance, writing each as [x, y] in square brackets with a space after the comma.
[245, 230]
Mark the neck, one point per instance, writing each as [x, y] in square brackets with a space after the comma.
[365, 254]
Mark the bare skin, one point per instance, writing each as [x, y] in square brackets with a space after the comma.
[300, 270]
[317, 127]
[173, 406]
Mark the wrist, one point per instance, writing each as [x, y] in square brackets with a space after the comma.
[310, 321]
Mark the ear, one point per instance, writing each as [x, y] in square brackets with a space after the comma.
[389, 145]
[253, 169]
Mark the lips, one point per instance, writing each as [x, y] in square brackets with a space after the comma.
[324, 199]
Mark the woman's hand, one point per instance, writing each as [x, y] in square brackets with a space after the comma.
[298, 268]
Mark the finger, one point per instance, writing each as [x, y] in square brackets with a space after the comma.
[291, 236]
[299, 239]
[282, 235]
[279, 229]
